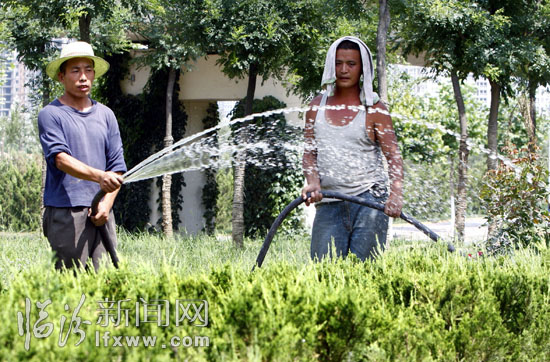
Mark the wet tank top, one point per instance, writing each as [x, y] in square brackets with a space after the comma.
[347, 159]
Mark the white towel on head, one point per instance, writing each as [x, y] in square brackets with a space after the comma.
[367, 96]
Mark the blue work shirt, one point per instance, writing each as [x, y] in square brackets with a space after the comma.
[92, 137]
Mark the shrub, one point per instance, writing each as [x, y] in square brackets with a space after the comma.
[423, 304]
[516, 199]
[20, 177]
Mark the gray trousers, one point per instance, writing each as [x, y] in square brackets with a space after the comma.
[73, 237]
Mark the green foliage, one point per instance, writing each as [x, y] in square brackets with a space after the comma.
[210, 189]
[273, 184]
[503, 41]
[427, 127]
[36, 27]
[516, 198]
[174, 30]
[18, 132]
[447, 33]
[20, 173]
[426, 188]
[20, 177]
[282, 39]
[142, 128]
[418, 141]
[414, 303]
[512, 125]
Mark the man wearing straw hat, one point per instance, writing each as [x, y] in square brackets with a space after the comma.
[344, 153]
[83, 151]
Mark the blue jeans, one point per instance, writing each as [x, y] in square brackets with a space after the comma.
[353, 227]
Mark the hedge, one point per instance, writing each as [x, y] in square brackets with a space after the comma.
[409, 304]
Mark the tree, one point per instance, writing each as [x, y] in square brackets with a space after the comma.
[258, 38]
[530, 31]
[17, 133]
[514, 47]
[31, 34]
[445, 32]
[275, 185]
[171, 29]
[427, 128]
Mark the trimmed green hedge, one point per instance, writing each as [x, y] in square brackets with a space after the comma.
[410, 304]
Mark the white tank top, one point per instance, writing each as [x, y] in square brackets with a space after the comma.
[347, 159]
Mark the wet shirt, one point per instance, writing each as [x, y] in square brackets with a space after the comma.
[92, 137]
[348, 160]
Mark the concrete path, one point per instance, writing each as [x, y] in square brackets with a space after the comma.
[474, 230]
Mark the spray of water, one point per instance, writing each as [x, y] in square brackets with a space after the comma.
[199, 150]
[207, 150]
[203, 150]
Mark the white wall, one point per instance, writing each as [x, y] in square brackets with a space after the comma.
[206, 81]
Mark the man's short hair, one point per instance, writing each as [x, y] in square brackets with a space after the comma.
[64, 65]
[348, 44]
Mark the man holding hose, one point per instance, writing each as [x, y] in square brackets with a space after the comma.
[343, 153]
[83, 151]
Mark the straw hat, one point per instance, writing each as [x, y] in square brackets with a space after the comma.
[77, 49]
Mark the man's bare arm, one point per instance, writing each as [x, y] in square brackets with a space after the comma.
[104, 207]
[385, 135]
[108, 181]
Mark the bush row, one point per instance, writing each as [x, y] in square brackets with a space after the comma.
[419, 304]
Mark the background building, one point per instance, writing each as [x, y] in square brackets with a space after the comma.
[483, 89]
[13, 77]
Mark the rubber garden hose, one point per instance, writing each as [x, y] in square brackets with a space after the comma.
[338, 195]
[105, 236]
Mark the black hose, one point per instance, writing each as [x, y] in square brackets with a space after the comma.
[105, 236]
[344, 197]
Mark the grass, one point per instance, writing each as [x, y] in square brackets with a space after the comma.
[198, 254]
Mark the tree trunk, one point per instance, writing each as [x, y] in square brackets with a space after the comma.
[461, 197]
[381, 39]
[84, 27]
[237, 231]
[492, 138]
[452, 193]
[492, 127]
[525, 106]
[532, 116]
[168, 141]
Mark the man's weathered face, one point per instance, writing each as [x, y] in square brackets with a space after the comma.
[77, 77]
[348, 68]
